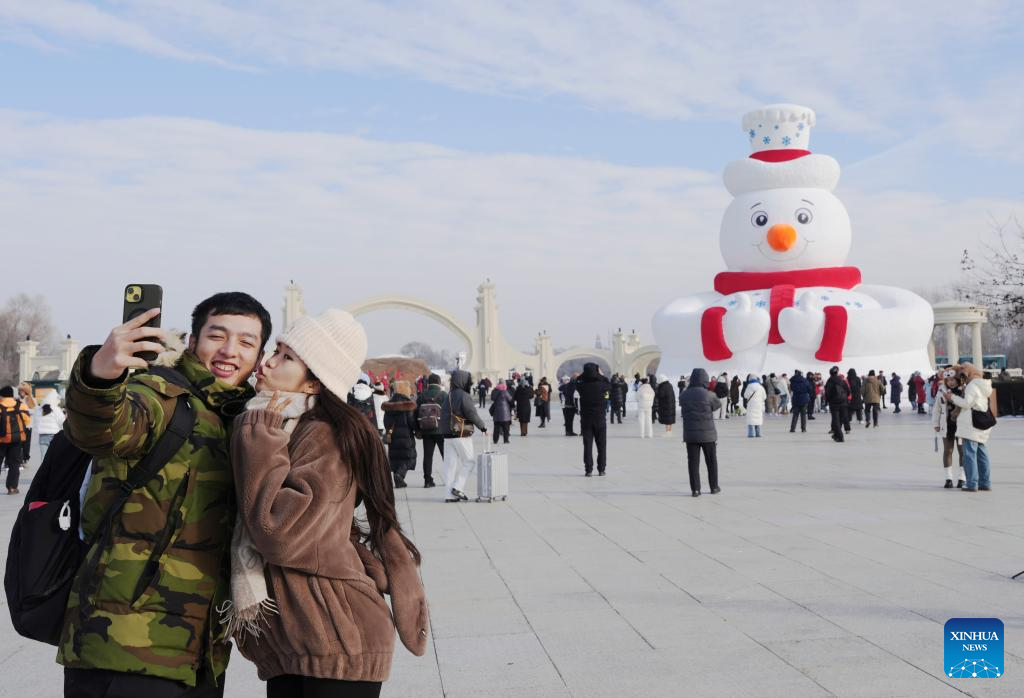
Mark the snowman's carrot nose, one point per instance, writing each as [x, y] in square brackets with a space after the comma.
[781, 237]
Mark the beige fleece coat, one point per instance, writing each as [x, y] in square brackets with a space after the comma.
[296, 496]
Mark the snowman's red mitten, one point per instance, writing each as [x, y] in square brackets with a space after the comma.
[834, 338]
[712, 334]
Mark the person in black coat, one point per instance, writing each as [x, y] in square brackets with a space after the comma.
[593, 388]
[617, 395]
[566, 393]
[665, 399]
[837, 395]
[399, 432]
[524, 404]
[895, 392]
[801, 395]
[856, 394]
[699, 433]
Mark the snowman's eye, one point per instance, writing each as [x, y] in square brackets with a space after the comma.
[804, 216]
[760, 219]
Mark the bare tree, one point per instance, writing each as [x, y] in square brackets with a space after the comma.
[995, 275]
[22, 317]
[433, 357]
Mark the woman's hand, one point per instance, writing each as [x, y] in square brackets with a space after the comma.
[277, 406]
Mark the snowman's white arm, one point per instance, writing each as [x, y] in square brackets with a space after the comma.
[902, 323]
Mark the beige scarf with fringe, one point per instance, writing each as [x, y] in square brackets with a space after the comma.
[250, 602]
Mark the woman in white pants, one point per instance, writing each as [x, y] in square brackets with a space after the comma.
[644, 405]
[459, 456]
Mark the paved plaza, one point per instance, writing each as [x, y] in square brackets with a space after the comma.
[821, 569]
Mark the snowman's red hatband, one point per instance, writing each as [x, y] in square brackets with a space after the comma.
[780, 155]
[832, 277]
[782, 287]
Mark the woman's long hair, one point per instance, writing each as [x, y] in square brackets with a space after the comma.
[361, 449]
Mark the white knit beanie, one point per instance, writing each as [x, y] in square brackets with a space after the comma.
[333, 345]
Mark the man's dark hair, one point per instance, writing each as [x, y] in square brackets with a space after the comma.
[7, 391]
[232, 303]
[434, 379]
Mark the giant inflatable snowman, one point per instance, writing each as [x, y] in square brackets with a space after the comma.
[787, 301]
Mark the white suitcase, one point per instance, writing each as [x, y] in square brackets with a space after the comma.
[491, 476]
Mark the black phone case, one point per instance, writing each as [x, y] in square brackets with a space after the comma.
[139, 298]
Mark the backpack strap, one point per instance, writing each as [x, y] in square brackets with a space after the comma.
[173, 438]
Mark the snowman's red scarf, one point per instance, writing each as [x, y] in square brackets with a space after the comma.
[782, 285]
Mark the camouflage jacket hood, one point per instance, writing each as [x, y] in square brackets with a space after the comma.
[148, 606]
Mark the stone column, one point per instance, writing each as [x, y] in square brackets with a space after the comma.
[931, 352]
[68, 354]
[27, 351]
[294, 305]
[979, 357]
[952, 345]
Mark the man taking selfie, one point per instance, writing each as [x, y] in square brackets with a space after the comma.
[142, 622]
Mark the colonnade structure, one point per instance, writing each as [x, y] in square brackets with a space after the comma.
[55, 367]
[488, 353]
[951, 314]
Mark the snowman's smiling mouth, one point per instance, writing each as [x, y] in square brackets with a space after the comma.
[787, 256]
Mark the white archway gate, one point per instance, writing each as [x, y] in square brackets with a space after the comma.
[489, 353]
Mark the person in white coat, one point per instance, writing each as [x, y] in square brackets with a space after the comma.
[755, 396]
[379, 398]
[49, 421]
[944, 416]
[976, 462]
[644, 405]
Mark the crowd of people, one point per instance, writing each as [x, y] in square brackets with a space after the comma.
[261, 499]
[845, 397]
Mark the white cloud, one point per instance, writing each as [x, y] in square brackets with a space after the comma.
[64, 19]
[870, 67]
[576, 246]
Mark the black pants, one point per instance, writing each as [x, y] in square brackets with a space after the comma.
[430, 442]
[483, 399]
[896, 404]
[838, 422]
[859, 411]
[617, 410]
[501, 429]
[102, 683]
[594, 430]
[801, 413]
[291, 686]
[570, 417]
[871, 413]
[710, 449]
[10, 455]
[26, 446]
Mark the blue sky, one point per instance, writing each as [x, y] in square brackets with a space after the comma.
[360, 146]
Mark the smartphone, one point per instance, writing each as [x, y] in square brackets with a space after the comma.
[138, 298]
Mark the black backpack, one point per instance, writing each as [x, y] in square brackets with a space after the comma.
[46, 551]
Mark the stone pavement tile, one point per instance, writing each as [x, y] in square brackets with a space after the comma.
[766, 616]
[541, 602]
[593, 634]
[511, 663]
[854, 667]
[477, 618]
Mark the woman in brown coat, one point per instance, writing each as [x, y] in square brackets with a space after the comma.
[308, 581]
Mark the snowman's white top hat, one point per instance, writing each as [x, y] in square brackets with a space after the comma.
[780, 136]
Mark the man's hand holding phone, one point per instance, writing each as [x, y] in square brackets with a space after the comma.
[118, 353]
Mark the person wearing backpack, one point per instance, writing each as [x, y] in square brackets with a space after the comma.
[460, 417]
[140, 617]
[974, 406]
[362, 398]
[837, 395]
[430, 427]
[14, 421]
[309, 578]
